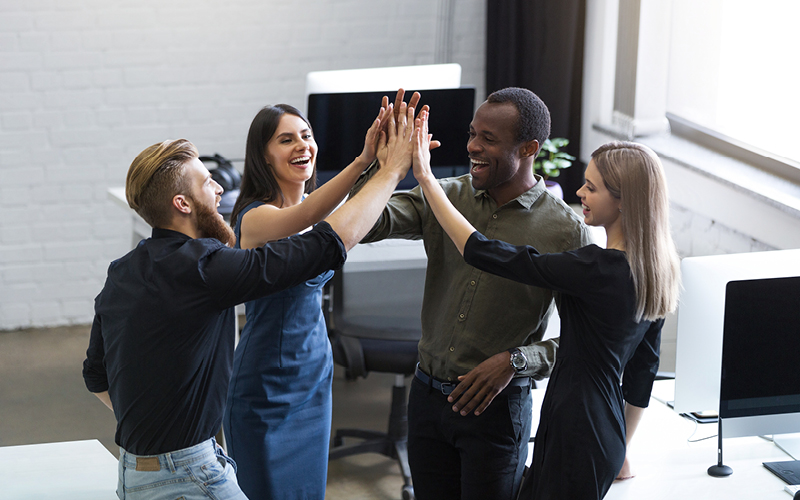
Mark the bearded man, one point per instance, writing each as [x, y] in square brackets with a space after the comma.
[161, 348]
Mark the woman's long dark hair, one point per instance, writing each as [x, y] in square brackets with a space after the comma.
[258, 180]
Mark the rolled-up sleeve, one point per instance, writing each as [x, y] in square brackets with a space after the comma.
[401, 217]
[641, 370]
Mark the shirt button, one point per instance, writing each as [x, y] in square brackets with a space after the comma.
[461, 316]
[452, 349]
[472, 282]
[494, 216]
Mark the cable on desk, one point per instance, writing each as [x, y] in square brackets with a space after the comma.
[689, 439]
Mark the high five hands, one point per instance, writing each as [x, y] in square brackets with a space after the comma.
[376, 134]
[395, 152]
[398, 110]
[421, 159]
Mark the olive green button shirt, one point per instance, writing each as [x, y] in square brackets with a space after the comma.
[468, 315]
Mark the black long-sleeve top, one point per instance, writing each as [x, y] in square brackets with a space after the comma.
[163, 334]
[580, 442]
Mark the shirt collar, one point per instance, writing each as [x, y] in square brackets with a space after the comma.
[168, 233]
[526, 199]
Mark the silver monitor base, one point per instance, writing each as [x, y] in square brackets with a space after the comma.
[790, 443]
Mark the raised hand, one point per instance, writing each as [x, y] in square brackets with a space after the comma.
[421, 157]
[375, 134]
[401, 108]
[400, 144]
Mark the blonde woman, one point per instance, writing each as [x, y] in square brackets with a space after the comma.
[612, 303]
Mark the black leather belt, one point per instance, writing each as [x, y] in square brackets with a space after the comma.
[447, 387]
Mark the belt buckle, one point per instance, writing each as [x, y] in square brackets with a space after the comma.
[447, 387]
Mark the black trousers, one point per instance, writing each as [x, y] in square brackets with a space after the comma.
[467, 457]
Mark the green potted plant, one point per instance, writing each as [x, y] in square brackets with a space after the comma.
[551, 161]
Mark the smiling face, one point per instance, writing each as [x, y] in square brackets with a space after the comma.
[600, 207]
[494, 151]
[292, 151]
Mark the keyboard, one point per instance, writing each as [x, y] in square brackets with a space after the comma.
[792, 488]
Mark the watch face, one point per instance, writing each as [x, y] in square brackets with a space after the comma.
[518, 361]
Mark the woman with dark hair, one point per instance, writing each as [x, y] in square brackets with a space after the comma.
[278, 417]
[612, 302]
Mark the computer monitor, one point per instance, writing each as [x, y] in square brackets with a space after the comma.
[701, 315]
[419, 76]
[760, 384]
[340, 121]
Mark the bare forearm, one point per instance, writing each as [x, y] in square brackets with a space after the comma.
[105, 398]
[451, 220]
[357, 216]
[321, 202]
[633, 415]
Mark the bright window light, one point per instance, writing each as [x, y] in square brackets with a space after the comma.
[735, 69]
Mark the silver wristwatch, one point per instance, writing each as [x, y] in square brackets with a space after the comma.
[518, 360]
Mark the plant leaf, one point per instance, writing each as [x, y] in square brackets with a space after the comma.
[562, 163]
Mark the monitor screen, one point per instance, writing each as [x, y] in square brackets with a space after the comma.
[340, 122]
[701, 316]
[760, 346]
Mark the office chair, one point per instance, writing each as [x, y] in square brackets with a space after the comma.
[362, 344]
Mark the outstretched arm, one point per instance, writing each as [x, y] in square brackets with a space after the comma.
[356, 217]
[269, 223]
[456, 226]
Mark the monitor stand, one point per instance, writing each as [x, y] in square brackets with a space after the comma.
[790, 443]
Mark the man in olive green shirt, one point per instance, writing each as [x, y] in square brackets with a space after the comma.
[470, 406]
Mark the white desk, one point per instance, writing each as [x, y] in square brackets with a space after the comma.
[74, 470]
[667, 466]
[141, 230]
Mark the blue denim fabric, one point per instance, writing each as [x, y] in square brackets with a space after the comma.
[196, 473]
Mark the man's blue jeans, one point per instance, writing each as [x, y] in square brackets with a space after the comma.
[199, 472]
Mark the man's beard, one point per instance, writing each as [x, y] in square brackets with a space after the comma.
[211, 225]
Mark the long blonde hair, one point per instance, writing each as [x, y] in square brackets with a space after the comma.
[633, 173]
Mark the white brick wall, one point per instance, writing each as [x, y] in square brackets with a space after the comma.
[87, 84]
[696, 235]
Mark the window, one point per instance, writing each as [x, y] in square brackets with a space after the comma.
[734, 69]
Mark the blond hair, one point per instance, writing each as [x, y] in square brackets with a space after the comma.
[633, 174]
[155, 177]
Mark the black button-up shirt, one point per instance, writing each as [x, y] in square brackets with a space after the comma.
[163, 334]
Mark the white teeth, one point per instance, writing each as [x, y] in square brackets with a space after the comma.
[479, 163]
[304, 159]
